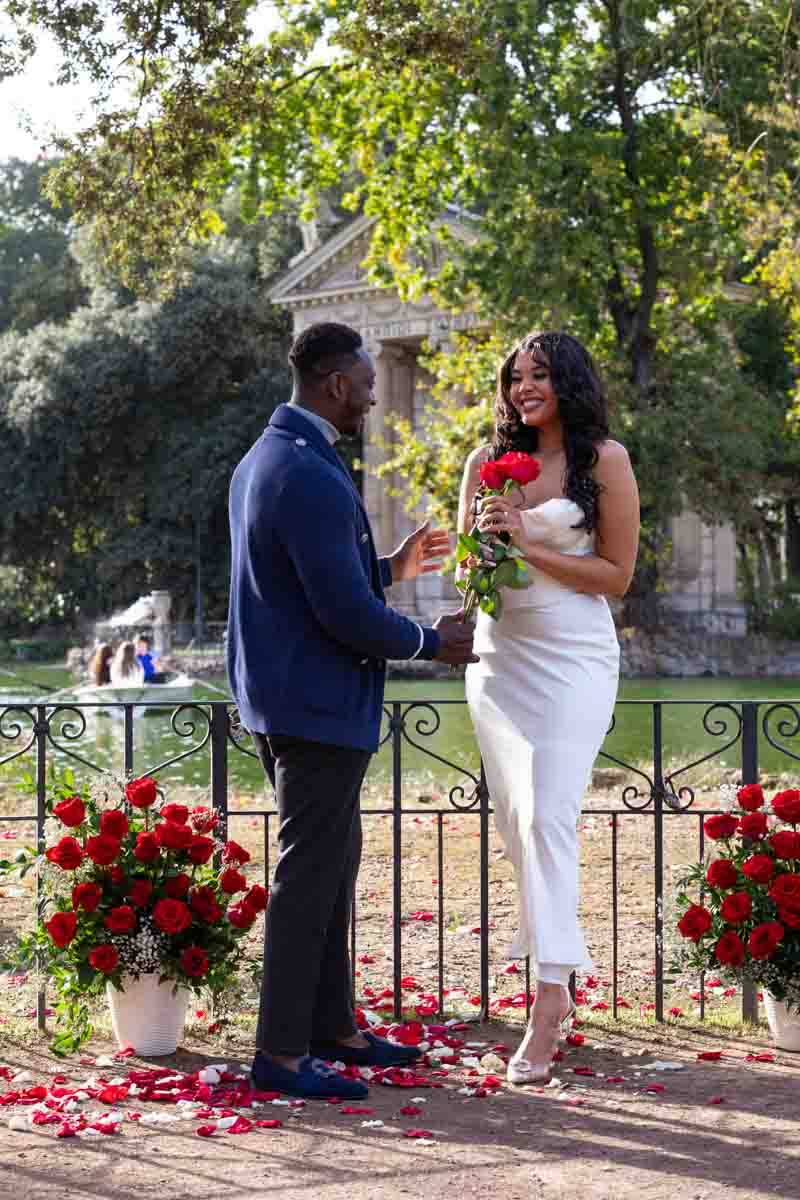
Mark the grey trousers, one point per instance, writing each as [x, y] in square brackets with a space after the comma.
[306, 991]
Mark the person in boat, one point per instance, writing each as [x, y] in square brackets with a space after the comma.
[99, 664]
[147, 662]
[125, 669]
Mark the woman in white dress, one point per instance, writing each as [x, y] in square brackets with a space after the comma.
[543, 693]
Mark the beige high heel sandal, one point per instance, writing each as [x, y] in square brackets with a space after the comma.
[521, 1070]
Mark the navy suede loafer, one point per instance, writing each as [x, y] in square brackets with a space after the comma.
[313, 1080]
[379, 1053]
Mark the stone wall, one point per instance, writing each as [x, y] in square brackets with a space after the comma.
[673, 652]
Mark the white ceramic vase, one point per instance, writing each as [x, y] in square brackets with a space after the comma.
[147, 1015]
[783, 1024]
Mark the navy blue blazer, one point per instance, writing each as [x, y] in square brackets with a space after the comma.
[309, 630]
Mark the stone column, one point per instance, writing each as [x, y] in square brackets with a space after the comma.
[162, 631]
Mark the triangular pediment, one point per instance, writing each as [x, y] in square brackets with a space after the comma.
[334, 269]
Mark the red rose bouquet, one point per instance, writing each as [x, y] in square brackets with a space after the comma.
[491, 561]
[131, 888]
[745, 918]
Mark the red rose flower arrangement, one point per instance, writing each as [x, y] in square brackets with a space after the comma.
[745, 914]
[492, 561]
[134, 886]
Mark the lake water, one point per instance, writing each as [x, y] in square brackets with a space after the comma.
[445, 732]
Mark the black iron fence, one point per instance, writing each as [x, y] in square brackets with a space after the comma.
[35, 736]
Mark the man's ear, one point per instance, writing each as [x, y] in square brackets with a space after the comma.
[337, 383]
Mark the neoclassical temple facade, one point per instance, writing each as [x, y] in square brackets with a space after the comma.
[326, 282]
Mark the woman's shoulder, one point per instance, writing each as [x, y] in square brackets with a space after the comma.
[611, 452]
[477, 457]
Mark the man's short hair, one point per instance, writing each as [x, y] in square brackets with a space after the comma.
[323, 348]
[143, 637]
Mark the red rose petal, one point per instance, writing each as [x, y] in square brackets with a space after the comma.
[709, 1056]
[205, 1130]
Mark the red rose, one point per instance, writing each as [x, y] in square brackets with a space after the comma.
[66, 854]
[201, 850]
[257, 898]
[174, 837]
[785, 889]
[785, 843]
[146, 848]
[789, 915]
[176, 886]
[234, 853]
[241, 915]
[103, 958]
[492, 476]
[695, 922]
[786, 805]
[204, 903]
[141, 793]
[753, 825]
[139, 892]
[736, 908]
[729, 950]
[71, 811]
[86, 896]
[114, 823]
[232, 881]
[61, 927]
[764, 939]
[117, 875]
[121, 919]
[194, 962]
[102, 850]
[177, 813]
[204, 820]
[750, 797]
[720, 826]
[758, 867]
[722, 873]
[522, 468]
[171, 916]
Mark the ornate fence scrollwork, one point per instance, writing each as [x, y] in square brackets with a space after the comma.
[12, 729]
[184, 726]
[787, 728]
[237, 733]
[718, 727]
[428, 725]
[71, 729]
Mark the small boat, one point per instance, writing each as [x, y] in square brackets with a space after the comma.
[180, 689]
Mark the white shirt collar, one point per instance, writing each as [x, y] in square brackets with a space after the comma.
[328, 431]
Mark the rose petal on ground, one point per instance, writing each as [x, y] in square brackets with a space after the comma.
[418, 1133]
[716, 1100]
[352, 1111]
[271, 1124]
[709, 1056]
[205, 1130]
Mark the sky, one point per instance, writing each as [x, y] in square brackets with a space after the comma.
[34, 107]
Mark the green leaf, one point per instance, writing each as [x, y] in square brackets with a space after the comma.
[466, 545]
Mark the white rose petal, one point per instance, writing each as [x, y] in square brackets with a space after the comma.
[667, 1066]
[371, 1124]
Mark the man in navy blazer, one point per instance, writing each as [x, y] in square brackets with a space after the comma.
[309, 633]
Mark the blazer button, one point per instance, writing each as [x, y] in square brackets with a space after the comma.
[365, 537]
[363, 662]
[300, 442]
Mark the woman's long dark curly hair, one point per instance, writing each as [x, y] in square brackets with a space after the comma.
[582, 406]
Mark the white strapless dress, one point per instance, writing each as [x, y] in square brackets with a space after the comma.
[541, 700]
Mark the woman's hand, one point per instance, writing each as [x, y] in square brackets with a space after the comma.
[500, 514]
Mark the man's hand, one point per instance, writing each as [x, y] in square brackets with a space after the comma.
[455, 641]
[420, 553]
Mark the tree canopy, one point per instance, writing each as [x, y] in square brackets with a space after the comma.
[625, 168]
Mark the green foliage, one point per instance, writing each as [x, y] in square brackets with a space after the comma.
[121, 427]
